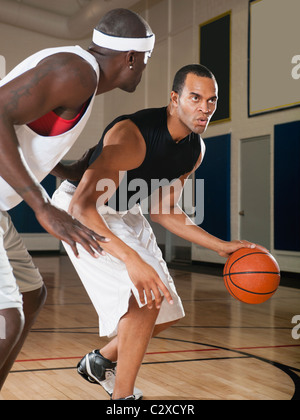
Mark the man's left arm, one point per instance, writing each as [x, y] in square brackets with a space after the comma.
[166, 211]
[73, 171]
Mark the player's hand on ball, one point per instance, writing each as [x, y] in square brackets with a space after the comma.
[233, 246]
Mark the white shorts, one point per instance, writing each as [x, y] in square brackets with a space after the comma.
[17, 272]
[106, 279]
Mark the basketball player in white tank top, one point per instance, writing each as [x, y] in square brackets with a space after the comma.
[59, 80]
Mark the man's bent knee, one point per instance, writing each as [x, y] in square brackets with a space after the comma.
[11, 323]
[162, 327]
[34, 301]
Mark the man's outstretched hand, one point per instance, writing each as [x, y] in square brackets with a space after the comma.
[64, 227]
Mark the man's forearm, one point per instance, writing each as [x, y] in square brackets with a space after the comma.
[181, 225]
[73, 171]
[89, 216]
[61, 171]
[15, 173]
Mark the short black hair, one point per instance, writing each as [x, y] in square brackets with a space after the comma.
[125, 24]
[181, 75]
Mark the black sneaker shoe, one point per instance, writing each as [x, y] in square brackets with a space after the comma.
[98, 370]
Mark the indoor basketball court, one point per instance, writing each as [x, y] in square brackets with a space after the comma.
[222, 350]
[240, 337]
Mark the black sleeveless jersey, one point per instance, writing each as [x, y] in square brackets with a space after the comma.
[165, 160]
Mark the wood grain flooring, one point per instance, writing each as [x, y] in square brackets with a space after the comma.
[221, 350]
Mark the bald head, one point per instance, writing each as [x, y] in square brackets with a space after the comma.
[125, 24]
[122, 44]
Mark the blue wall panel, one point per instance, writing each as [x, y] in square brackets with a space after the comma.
[287, 187]
[215, 170]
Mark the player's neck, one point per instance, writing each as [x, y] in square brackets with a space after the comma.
[177, 129]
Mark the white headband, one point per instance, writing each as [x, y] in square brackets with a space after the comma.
[115, 43]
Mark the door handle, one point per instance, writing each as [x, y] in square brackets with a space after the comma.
[242, 213]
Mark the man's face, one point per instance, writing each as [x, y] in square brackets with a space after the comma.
[197, 103]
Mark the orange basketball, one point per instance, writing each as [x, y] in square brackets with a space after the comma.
[252, 275]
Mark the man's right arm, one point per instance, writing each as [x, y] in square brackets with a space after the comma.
[25, 99]
[124, 149]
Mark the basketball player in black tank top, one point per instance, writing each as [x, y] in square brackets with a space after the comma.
[161, 144]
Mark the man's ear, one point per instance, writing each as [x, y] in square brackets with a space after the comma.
[131, 59]
[174, 98]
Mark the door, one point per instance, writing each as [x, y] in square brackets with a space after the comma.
[255, 206]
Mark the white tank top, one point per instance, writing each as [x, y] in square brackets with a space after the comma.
[41, 154]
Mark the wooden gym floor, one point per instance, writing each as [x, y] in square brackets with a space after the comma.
[221, 350]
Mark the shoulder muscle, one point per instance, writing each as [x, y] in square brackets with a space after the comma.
[124, 148]
[72, 74]
[61, 80]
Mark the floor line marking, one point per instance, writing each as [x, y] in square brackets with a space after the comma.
[162, 352]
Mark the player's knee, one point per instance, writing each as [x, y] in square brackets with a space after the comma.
[34, 302]
[40, 299]
[172, 323]
[42, 296]
[12, 325]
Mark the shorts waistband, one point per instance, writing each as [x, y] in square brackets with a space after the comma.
[69, 188]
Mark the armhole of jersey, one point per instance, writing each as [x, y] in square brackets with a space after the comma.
[203, 148]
